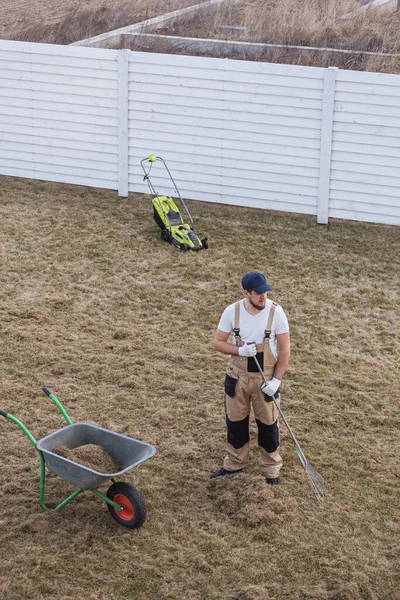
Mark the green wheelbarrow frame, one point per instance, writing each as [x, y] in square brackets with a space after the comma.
[129, 508]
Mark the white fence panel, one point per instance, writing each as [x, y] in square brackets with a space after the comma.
[316, 141]
[59, 113]
[235, 132]
[365, 173]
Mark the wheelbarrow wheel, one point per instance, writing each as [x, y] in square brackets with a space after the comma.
[133, 513]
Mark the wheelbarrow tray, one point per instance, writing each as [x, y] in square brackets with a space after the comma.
[126, 452]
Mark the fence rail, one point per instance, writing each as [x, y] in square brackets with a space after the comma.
[324, 142]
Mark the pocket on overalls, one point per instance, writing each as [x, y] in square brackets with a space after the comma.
[230, 386]
[272, 412]
[271, 398]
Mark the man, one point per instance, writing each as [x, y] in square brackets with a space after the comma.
[258, 327]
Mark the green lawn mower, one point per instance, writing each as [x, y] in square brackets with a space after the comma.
[167, 214]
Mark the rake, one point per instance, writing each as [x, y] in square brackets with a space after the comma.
[316, 480]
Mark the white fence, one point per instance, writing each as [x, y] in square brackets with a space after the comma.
[59, 114]
[316, 141]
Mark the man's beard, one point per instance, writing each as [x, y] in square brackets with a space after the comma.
[256, 306]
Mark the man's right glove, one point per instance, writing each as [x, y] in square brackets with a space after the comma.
[249, 349]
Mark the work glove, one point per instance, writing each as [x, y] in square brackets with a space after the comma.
[249, 349]
[271, 387]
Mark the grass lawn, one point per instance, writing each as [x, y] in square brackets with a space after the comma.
[119, 326]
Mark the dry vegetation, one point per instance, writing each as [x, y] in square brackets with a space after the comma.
[314, 23]
[119, 326]
[68, 21]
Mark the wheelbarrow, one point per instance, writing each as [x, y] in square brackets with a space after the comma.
[124, 501]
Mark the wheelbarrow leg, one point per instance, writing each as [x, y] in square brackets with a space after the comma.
[42, 463]
[107, 500]
[42, 485]
[71, 497]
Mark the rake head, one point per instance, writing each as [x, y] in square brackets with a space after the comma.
[316, 480]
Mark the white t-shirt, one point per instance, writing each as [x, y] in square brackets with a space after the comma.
[252, 327]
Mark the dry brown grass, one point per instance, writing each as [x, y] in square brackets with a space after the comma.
[119, 326]
[318, 23]
[68, 21]
[313, 23]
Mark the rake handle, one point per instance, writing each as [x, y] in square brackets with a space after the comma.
[281, 413]
[316, 483]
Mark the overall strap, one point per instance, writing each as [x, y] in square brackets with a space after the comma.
[236, 328]
[269, 322]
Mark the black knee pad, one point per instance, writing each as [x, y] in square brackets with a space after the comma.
[238, 432]
[268, 436]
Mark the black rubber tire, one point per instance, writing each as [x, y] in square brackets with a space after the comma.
[204, 243]
[165, 235]
[135, 506]
[184, 247]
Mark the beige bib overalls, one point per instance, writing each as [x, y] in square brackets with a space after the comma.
[242, 388]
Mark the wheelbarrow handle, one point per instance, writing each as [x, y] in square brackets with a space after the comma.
[26, 431]
[58, 404]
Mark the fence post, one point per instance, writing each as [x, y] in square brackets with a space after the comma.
[123, 144]
[328, 106]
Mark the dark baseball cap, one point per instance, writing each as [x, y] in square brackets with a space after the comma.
[255, 281]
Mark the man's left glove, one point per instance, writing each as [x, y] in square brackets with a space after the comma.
[271, 387]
